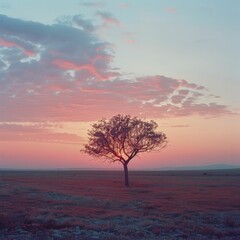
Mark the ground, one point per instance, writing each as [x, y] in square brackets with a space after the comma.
[91, 205]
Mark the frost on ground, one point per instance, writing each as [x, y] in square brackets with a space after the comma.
[96, 205]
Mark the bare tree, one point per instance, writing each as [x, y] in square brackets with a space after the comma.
[121, 138]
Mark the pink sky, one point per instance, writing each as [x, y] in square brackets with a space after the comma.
[198, 142]
[59, 77]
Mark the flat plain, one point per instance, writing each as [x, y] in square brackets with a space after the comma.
[91, 205]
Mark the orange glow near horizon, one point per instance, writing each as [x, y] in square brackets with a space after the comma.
[198, 142]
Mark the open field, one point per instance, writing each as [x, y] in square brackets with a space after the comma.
[91, 205]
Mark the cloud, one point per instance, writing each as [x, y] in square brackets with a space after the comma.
[53, 42]
[92, 3]
[25, 47]
[177, 98]
[68, 77]
[130, 38]
[35, 133]
[171, 10]
[77, 21]
[108, 19]
[180, 126]
[124, 5]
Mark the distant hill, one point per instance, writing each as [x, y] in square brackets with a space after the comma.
[204, 167]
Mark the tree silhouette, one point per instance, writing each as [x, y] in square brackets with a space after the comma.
[121, 138]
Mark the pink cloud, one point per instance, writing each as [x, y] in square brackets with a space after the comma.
[153, 96]
[186, 84]
[11, 44]
[179, 126]
[177, 99]
[35, 133]
[72, 66]
[6, 43]
[131, 41]
[130, 38]
[171, 10]
[183, 92]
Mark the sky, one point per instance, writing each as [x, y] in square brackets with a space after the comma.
[67, 64]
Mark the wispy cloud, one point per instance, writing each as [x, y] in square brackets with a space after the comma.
[130, 38]
[124, 5]
[77, 21]
[171, 10]
[180, 126]
[37, 132]
[108, 18]
[62, 72]
[92, 3]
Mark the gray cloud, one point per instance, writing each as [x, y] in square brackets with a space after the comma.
[62, 72]
[108, 18]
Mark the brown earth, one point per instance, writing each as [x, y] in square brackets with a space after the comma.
[96, 205]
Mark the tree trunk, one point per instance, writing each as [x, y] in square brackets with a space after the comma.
[126, 175]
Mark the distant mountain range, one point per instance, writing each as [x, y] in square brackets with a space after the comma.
[204, 167]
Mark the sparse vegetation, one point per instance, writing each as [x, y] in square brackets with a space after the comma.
[67, 208]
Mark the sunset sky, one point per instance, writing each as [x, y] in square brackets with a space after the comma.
[66, 64]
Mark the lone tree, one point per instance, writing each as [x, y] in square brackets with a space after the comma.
[121, 138]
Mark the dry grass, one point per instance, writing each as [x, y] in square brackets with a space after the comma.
[96, 205]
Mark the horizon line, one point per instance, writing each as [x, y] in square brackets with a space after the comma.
[168, 168]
